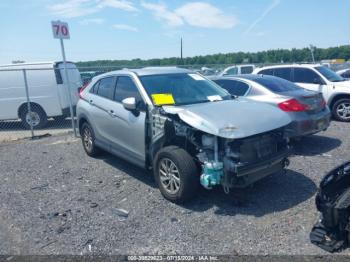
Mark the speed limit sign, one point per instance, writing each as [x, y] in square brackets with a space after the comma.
[60, 30]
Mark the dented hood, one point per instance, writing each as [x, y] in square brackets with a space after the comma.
[231, 118]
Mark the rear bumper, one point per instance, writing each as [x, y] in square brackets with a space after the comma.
[304, 124]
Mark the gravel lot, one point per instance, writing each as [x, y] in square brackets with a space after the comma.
[56, 200]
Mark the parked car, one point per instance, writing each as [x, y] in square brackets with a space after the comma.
[88, 75]
[206, 71]
[307, 109]
[47, 88]
[237, 70]
[345, 73]
[188, 129]
[335, 89]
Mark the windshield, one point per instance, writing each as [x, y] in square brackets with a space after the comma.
[329, 74]
[182, 89]
[276, 84]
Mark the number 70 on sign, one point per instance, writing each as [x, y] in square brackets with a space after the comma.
[60, 30]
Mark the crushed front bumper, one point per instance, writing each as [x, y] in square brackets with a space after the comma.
[243, 175]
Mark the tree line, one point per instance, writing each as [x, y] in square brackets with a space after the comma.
[263, 57]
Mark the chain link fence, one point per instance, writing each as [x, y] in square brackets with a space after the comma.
[38, 100]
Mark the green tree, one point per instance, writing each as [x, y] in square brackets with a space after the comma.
[262, 57]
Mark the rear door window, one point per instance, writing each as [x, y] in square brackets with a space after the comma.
[266, 72]
[58, 76]
[126, 88]
[94, 88]
[234, 87]
[277, 85]
[232, 71]
[106, 87]
[305, 75]
[285, 73]
[246, 69]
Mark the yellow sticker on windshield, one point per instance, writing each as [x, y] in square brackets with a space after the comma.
[163, 99]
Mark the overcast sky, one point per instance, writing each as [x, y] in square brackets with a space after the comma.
[126, 29]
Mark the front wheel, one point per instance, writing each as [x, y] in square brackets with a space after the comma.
[176, 174]
[36, 118]
[341, 110]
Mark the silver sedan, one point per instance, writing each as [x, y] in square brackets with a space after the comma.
[307, 109]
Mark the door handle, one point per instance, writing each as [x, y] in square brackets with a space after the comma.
[111, 113]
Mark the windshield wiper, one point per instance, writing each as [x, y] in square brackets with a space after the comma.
[206, 101]
[193, 102]
[200, 102]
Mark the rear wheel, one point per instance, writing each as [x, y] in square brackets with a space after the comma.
[341, 110]
[88, 140]
[36, 118]
[176, 174]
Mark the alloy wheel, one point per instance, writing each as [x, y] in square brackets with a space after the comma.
[343, 110]
[87, 138]
[169, 176]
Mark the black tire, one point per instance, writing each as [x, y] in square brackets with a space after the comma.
[187, 174]
[337, 106]
[91, 150]
[39, 117]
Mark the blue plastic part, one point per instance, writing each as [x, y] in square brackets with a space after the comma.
[212, 174]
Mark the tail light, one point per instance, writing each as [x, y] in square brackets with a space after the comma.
[81, 89]
[293, 105]
[323, 103]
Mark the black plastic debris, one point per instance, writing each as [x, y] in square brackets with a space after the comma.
[93, 205]
[332, 231]
[40, 187]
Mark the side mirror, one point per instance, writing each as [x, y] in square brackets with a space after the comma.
[129, 103]
[318, 81]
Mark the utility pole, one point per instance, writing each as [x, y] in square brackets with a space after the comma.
[181, 52]
[312, 49]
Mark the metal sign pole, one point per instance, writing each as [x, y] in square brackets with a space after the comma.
[312, 49]
[68, 87]
[28, 101]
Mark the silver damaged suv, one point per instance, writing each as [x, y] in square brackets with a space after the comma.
[190, 131]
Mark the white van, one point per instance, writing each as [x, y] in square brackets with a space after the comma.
[47, 87]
